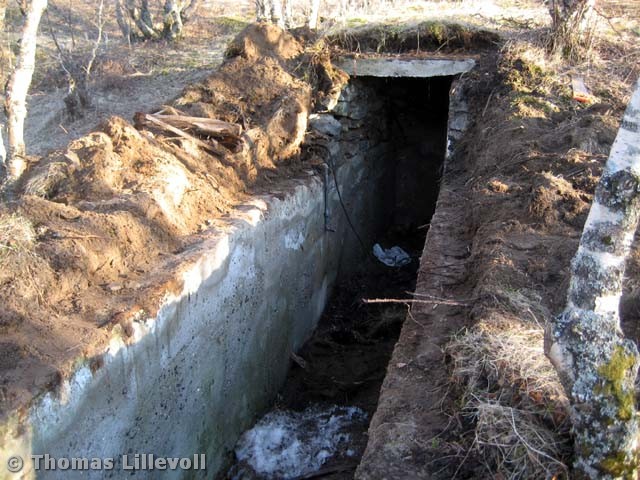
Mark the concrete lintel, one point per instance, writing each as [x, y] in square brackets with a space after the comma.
[394, 67]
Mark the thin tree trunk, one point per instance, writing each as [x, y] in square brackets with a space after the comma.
[276, 13]
[262, 10]
[172, 19]
[288, 13]
[570, 21]
[142, 18]
[122, 18]
[3, 12]
[3, 152]
[344, 7]
[596, 364]
[17, 88]
[313, 14]
[188, 10]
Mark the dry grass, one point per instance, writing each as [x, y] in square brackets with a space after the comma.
[512, 393]
[504, 352]
[16, 235]
[20, 265]
[516, 443]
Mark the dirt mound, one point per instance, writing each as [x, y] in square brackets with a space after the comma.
[101, 224]
[264, 40]
[430, 36]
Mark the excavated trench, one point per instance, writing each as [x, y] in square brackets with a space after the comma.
[318, 424]
[269, 316]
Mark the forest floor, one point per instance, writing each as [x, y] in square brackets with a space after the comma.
[119, 206]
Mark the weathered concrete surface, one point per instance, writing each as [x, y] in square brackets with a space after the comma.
[394, 67]
[195, 376]
[459, 117]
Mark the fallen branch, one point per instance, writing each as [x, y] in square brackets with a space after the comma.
[440, 301]
[211, 145]
[206, 126]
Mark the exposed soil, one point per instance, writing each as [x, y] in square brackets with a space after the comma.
[111, 217]
[120, 207]
[508, 221]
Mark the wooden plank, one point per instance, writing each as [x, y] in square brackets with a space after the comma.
[211, 145]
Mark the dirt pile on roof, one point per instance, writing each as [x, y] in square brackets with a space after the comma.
[101, 225]
[433, 36]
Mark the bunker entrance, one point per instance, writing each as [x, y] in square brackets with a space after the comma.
[317, 427]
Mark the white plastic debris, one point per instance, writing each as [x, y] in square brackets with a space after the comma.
[287, 444]
[392, 257]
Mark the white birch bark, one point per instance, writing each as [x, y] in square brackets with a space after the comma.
[172, 19]
[17, 89]
[313, 14]
[288, 13]
[3, 152]
[262, 10]
[596, 363]
[142, 18]
[3, 11]
[276, 13]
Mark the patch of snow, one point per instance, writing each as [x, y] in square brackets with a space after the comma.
[287, 444]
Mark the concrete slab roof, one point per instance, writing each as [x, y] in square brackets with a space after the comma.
[395, 67]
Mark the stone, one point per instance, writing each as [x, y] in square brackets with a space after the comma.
[325, 124]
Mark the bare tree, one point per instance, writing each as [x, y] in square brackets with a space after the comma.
[596, 363]
[17, 88]
[78, 67]
[4, 54]
[312, 21]
[136, 20]
[263, 10]
[3, 12]
[570, 21]
[279, 12]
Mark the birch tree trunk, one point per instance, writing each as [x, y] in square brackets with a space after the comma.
[263, 10]
[172, 19]
[596, 364]
[122, 18]
[3, 12]
[142, 18]
[3, 152]
[570, 20]
[176, 14]
[17, 88]
[313, 14]
[288, 13]
[276, 13]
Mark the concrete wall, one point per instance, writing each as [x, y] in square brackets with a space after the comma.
[216, 354]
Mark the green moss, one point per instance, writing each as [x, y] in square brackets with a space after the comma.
[230, 25]
[619, 466]
[537, 103]
[355, 22]
[399, 37]
[614, 373]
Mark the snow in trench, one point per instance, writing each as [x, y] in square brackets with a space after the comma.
[288, 444]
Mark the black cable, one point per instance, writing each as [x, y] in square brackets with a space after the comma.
[344, 209]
